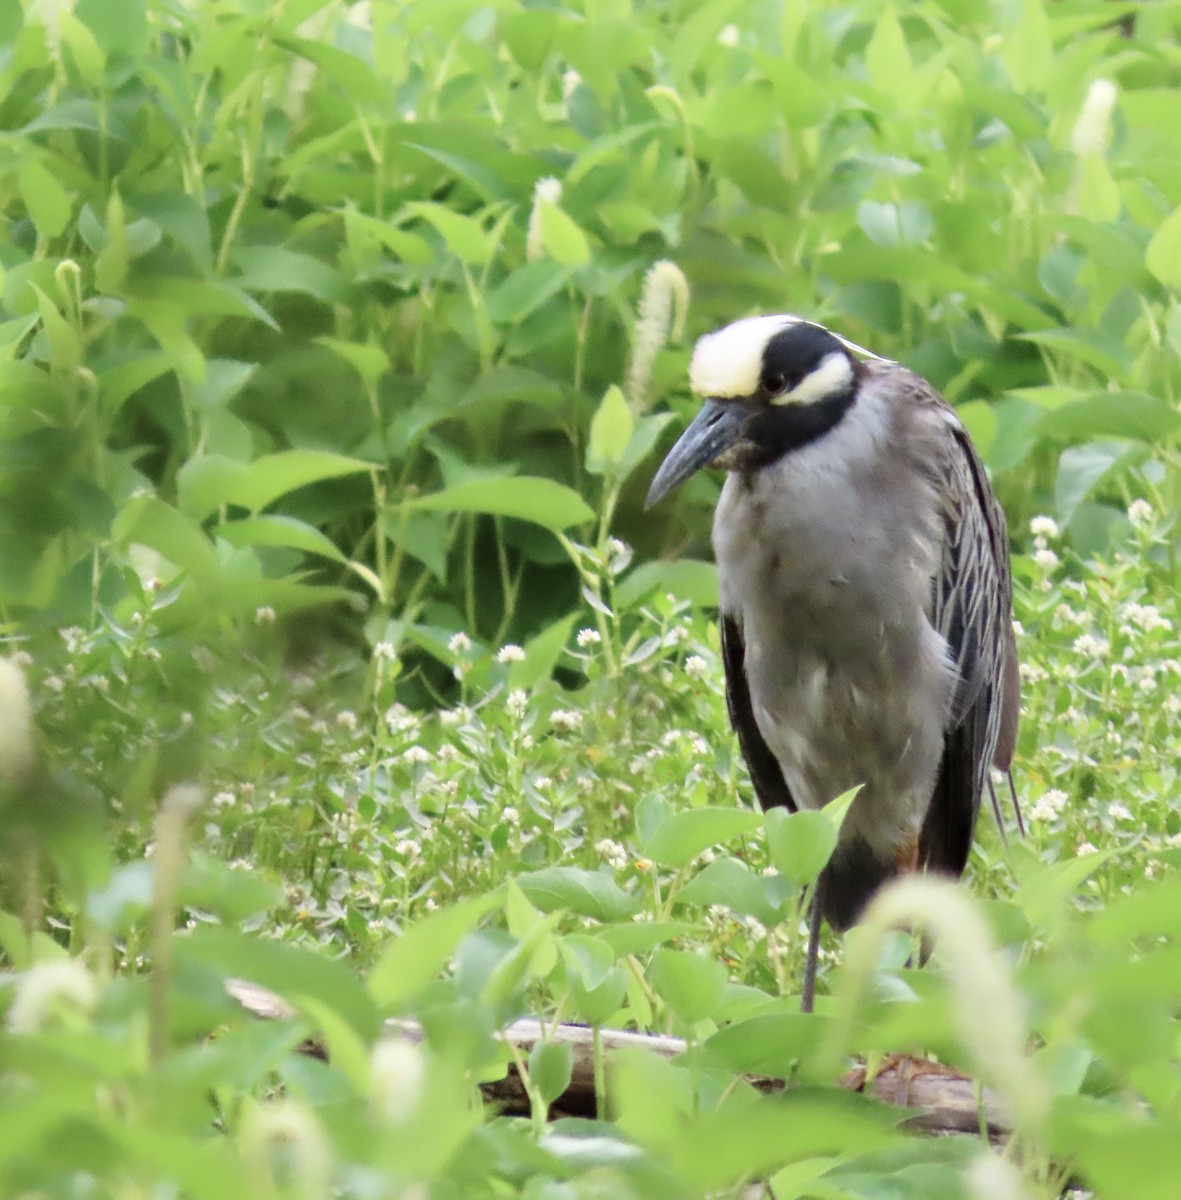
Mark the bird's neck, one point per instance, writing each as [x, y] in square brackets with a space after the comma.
[783, 430]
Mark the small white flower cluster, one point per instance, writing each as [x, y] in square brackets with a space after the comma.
[1049, 805]
[588, 637]
[696, 666]
[613, 853]
[511, 815]
[516, 703]
[417, 755]
[384, 652]
[409, 849]
[510, 653]
[1045, 558]
[566, 720]
[1145, 616]
[347, 719]
[1045, 527]
[1119, 812]
[1140, 513]
[1089, 646]
[545, 191]
[264, 615]
[460, 643]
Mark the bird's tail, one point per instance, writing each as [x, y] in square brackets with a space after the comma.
[851, 878]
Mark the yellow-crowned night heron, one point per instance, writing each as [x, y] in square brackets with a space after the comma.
[865, 598]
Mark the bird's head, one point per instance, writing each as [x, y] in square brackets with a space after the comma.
[770, 385]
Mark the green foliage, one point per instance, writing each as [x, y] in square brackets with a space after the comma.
[333, 305]
[352, 314]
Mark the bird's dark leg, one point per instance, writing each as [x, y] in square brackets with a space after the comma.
[808, 992]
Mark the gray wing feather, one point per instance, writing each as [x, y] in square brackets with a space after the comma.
[971, 607]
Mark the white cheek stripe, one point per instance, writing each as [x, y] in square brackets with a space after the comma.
[832, 374]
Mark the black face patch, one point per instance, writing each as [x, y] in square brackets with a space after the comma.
[794, 353]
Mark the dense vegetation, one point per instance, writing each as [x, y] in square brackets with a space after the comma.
[337, 346]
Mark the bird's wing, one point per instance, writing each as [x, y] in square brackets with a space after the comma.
[765, 771]
[971, 607]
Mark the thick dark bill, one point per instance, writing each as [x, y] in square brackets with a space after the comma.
[718, 425]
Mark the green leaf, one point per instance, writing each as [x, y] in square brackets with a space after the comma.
[413, 959]
[1088, 346]
[542, 501]
[464, 235]
[801, 843]
[678, 839]
[638, 937]
[1096, 191]
[687, 579]
[278, 269]
[1113, 414]
[207, 481]
[732, 884]
[542, 654]
[768, 1044]
[551, 1067]
[692, 985]
[148, 521]
[290, 971]
[610, 432]
[46, 201]
[589, 893]
[277, 530]
[369, 361]
[888, 59]
[564, 242]
[1163, 254]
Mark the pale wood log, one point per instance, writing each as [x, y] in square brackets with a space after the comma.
[942, 1100]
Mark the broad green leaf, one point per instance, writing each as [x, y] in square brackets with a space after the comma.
[274, 475]
[684, 835]
[1028, 48]
[526, 289]
[1163, 255]
[801, 843]
[542, 501]
[638, 937]
[117, 384]
[542, 654]
[278, 269]
[369, 361]
[464, 235]
[589, 893]
[290, 971]
[278, 530]
[687, 579]
[764, 1045]
[732, 884]
[150, 522]
[84, 49]
[610, 432]
[1096, 192]
[888, 59]
[551, 1066]
[412, 960]
[1113, 414]
[1087, 346]
[564, 242]
[46, 201]
[692, 985]
[1082, 468]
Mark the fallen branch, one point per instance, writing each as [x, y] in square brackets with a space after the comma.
[943, 1101]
